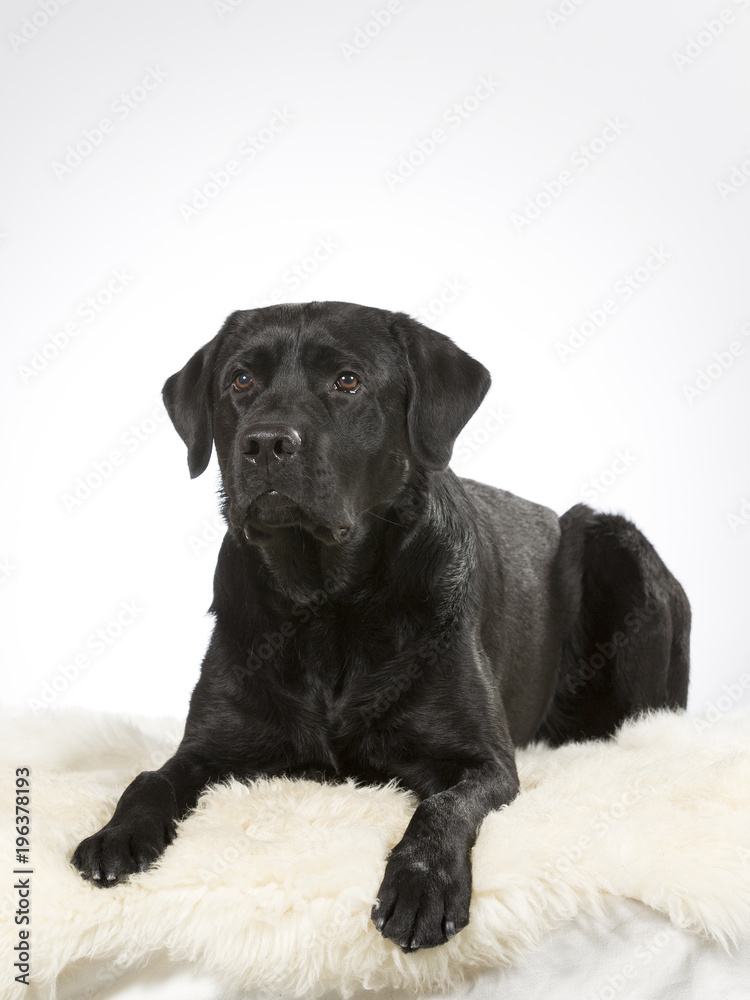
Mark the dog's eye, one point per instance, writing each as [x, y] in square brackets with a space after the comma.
[242, 381]
[347, 381]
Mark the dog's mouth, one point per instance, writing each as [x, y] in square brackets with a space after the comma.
[272, 509]
[271, 512]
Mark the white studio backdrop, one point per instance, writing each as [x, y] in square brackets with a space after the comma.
[559, 186]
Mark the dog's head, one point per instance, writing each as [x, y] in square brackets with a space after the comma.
[321, 411]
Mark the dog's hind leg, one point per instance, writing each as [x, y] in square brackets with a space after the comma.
[626, 647]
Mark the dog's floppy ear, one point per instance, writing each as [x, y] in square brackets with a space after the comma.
[188, 397]
[445, 387]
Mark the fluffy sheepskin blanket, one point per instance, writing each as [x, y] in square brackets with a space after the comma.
[269, 885]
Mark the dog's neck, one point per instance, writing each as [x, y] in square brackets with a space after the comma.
[301, 568]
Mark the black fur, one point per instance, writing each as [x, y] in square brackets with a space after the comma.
[376, 616]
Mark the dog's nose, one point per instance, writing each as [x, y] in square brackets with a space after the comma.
[272, 442]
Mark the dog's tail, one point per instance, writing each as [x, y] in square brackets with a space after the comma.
[627, 629]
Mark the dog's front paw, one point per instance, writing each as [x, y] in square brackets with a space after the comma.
[115, 852]
[424, 897]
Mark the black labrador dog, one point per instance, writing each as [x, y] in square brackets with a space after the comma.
[377, 617]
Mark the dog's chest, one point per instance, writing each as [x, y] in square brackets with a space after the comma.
[335, 691]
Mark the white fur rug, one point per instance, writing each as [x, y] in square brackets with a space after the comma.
[270, 886]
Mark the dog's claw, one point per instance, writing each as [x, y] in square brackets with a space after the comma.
[423, 901]
[108, 857]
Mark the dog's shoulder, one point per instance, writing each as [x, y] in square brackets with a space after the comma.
[516, 521]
